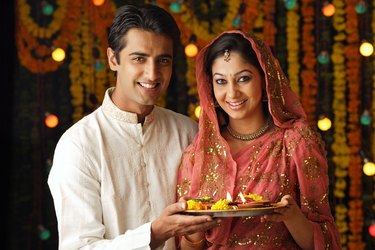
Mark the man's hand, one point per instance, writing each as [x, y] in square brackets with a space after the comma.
[171, 223]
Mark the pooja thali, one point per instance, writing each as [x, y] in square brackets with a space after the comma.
[255, 211]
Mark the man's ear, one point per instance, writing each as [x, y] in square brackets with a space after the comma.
[112, 59]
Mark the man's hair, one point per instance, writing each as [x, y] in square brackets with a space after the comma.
[146, 17]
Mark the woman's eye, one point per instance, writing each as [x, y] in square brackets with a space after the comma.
[220, 81]
[244, 78]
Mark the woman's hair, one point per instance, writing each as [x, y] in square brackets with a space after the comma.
[232, 42]
[147, 17]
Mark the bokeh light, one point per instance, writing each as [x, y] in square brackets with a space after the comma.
[58, 55]
[371, 229]
[175, 7]
[324, 123]
[323, 57]
[369, 168]
[290, 4]
[44, 233]
[328, 9]
[47, 9]
[191, 50]
[98, 2]
[237, 21]
[51, 120]
[366, 118]
[361, 7]
[366, 49]
[197, 111]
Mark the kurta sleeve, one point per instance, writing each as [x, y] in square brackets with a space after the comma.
[75, 188]
[309, 157]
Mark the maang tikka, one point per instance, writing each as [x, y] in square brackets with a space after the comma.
[227, 55]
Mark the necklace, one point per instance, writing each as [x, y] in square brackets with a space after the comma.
[251, 136]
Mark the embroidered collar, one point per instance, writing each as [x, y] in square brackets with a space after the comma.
[112, 110]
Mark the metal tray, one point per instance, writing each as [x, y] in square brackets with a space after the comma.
[235, 212]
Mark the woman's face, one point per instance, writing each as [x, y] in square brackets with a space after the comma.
[237, 87]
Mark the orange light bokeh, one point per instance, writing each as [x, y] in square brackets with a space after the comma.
[328, 9]
[51, 121]
[98, 2]
[191, 50]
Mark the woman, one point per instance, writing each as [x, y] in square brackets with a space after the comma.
[254, 138]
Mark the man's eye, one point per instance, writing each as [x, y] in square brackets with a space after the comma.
[139, 59]
[165, 61]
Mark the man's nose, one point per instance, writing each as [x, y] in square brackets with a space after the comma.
[152, 71]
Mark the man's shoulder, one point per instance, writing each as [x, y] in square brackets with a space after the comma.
[84, 125]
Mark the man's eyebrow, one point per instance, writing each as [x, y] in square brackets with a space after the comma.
[138, 54]
[147, 55]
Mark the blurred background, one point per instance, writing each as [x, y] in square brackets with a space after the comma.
[55, 71]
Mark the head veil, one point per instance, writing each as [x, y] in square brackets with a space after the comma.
[207, 167]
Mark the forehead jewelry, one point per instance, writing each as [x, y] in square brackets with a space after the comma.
[226, 55]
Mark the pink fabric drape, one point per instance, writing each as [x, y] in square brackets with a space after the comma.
[288, 159]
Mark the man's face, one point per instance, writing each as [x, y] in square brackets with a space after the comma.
[143, 71]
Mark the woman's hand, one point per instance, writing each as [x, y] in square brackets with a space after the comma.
[287, 212]
[298, 225]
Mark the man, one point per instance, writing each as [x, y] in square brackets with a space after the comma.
[114, 171]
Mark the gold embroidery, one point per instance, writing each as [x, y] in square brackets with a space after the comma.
[311, 168]
[183, 188]
[325, 234]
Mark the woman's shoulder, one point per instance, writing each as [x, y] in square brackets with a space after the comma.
[302, 132]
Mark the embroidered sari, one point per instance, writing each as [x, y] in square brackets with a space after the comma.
[288, 159]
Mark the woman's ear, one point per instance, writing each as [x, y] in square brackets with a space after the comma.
[112, 61]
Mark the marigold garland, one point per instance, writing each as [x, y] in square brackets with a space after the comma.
[33, 53]
[33, 28]
[250, 15]
[88, 84]
[373, 107]
[292, 33]
[269, 28]
[353, 64]
[308, 74]
[339, 146]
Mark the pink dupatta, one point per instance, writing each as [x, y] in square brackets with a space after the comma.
[271, 165]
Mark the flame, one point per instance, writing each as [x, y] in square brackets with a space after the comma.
[242, 197]
[229, 197]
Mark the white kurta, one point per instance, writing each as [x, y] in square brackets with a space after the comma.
[111, 176]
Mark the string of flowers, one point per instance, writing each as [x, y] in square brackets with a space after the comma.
[249, 16]
[35, 29]
[88, 80]
[373, 93]
[373, 106]
[33, 53]
[269, 28]
[308, 74]
[101, 18]
[259, 20]
[353, 64]
[339, 146]
[292, 44]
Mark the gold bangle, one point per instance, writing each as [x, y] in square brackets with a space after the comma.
[194, 244]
